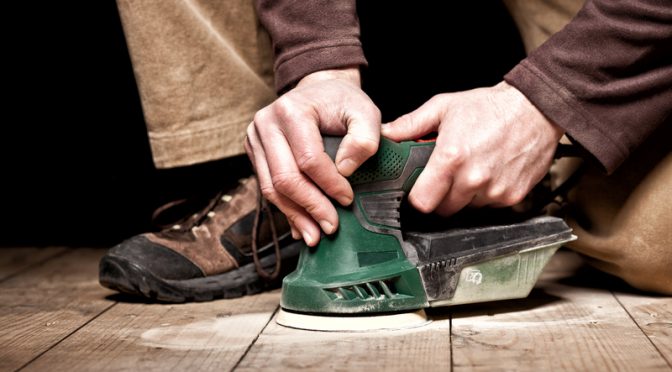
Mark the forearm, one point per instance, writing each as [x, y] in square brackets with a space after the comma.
[311, 36]
[606, 78]
[350, 74]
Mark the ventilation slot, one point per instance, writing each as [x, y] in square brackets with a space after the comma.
[376, 290]
[383, 208]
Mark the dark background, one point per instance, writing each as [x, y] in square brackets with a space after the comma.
[76, 166]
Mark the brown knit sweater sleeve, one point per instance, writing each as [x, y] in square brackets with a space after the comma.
[606, 78]
[310, 36]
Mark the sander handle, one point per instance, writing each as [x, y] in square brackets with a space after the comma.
[331, 144]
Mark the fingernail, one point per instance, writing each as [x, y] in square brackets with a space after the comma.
[344, 200]
[295, 234]
[308, 239]
[327, 226]
[419, 203]
[346, 167]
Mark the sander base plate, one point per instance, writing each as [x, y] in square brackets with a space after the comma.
[352, 323]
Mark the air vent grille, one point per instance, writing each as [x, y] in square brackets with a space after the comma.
[374, 290]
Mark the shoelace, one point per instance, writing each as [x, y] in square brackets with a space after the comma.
[186, 223]
[262, 203]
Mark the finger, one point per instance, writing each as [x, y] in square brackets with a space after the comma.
[436, 179]
[489, 195]
[422, 121]
[248, 150]
[480, 201]
[295, 233]
[360, 142]
[297, 216]
[468, 183]
[307, 148]
[290, 182]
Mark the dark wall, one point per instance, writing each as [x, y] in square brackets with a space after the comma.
[76, 167]
[421, 48]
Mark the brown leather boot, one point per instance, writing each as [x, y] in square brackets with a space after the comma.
[237, 245]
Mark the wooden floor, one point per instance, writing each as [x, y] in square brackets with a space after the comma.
[54, 316]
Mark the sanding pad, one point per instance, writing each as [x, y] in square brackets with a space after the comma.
[352, 323]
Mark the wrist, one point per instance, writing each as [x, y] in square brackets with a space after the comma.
[532, 112]
[349, 74]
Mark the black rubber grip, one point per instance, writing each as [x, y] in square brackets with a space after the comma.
[331, 144]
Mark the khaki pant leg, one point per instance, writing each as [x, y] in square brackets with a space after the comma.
[537, 20]
[623, 221]
[203, 68]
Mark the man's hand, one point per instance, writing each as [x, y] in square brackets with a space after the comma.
[493, 147]
[285, 145]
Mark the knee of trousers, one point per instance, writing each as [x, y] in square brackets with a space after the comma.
[642, 263]
[624, 221]
[657, 279]
[648, 269]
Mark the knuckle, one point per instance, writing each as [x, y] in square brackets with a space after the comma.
[365, 146]
[260, 117]
[494, 194]
[292, 217]
[285, 108]
[409, 119]
[308, 162]
[453, 154]
[437, 99]
[314, 209]
[287, 182]
[476, 178]
[512, 197]
[269, 193]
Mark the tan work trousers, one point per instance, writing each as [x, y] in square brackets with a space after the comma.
[204, 68]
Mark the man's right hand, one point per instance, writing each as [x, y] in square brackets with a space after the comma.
[285, 145]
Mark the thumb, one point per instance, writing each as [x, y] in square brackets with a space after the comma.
[422, 121]
[360, 142]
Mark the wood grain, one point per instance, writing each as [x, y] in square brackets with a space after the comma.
[560, 327]
[40, 307]
[55, 316]
[15, 260]
[420, 349]
[210, 336]
[654, 316]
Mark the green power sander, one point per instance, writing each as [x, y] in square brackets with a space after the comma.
[374, 265]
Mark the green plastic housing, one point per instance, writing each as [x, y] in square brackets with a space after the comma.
[356, 270]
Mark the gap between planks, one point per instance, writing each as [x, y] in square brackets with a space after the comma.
[562, 326]
[41, 306]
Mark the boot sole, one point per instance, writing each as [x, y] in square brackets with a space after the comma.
[119, 274]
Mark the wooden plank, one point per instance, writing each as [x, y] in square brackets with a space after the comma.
[40, 307]
[425, 348]
[15, 260]
[280, 348]
[561, 326]
[210, 336]
[653, 314]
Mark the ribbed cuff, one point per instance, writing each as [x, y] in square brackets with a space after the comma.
[289, 71]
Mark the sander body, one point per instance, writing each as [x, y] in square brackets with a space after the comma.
[372, 265]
